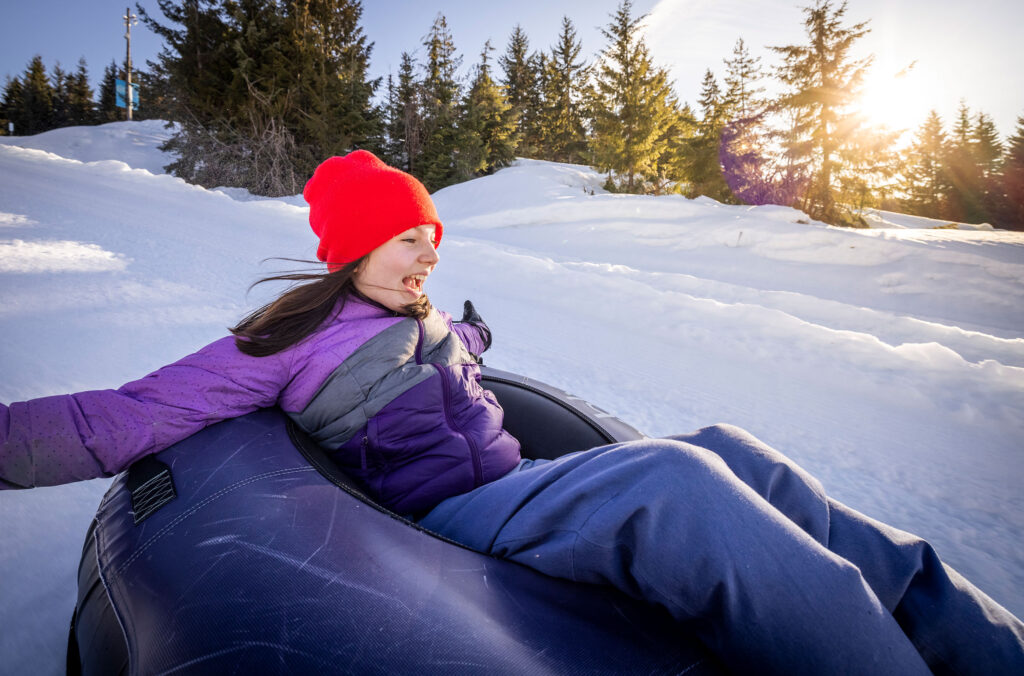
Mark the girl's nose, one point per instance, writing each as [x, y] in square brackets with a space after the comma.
[429, 254]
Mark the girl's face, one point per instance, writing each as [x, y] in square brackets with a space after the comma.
[394, 273]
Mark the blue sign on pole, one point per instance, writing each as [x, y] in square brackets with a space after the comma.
[121, 103]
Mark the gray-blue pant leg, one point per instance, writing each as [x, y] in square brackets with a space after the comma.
[955, 626]
[669, 521]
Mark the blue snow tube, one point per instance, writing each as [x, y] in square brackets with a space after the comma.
[244, 550]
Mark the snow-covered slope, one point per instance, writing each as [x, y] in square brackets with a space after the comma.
[134, 143]
[890, 362]
[877, 218]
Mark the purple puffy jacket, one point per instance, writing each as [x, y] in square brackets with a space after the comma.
[395, 400]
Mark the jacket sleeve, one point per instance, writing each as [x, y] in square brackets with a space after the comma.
[65, 438]
[471, 335]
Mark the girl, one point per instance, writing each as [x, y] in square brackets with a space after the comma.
[724, 532]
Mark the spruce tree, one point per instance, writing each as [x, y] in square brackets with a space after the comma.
[682, 135]
[153, 94]
[823, 80]
[865, 176]
[703, 157]
[59, 85]
[107, 110]
[264, 90]
[257, 144]
[987, 147]
[37, 99]
[564, 136]
[742, 142]
[81, 107]
[1011, 212]
[487, 135]
[12, 107]
[523, 91]
[226, 84]
[966, 194]
[440, 96]
[927, 181]
[988, 152]
[391, 148]
[743, 95]
[534, 140]
[404, 118]
[677, 135]
[334, 108]
[198, 58]
[631, 107]
[197, 64]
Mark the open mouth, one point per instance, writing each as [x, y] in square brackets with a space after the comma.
[414, 283]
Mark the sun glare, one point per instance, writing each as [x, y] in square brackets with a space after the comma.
[898, 96]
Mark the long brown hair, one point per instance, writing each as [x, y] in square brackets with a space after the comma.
[303, 308]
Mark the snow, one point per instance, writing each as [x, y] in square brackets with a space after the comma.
[877, 218]
[889, 361]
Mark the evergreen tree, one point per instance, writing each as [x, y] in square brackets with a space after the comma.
[59, 86]
[742, 140]
[632, 107]
[534, 141]
[404, 119]
[988, 152]
[823, 80]
[1011, 207]
[197, 59]
[523, 91]
[204, 94]
[703, 157]
[973, 155]
[678, 130]
[264, 90]
[391, 148]
[961, 202]
[81, 108]
[37, 99]
[988, 149]
[681, 134]
[107, 110]
[334, 108]
[257, 143]
[153, 95]
[12, 107]
[440, 100]
[743, 96]
[712, 105]
[927, 180]
[866, 175]
[487, 136]
[564, 136]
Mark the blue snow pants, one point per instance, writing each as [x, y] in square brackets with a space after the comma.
[742, 544]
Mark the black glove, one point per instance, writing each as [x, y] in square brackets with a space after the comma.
[471, 316]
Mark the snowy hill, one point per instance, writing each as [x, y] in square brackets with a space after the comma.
[889, 361]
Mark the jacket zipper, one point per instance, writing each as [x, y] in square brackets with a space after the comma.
[474, 452]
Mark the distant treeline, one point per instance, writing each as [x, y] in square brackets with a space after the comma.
[38, 101]
[264, 90]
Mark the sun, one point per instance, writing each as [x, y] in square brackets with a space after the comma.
[897, 95]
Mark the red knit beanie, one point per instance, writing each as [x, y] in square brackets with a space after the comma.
[356, 203]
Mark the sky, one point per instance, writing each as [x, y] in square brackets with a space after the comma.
[951, 53]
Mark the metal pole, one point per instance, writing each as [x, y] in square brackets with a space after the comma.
[128, 19]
